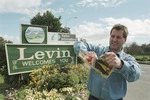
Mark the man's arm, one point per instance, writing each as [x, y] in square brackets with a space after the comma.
[131, 70]
[128, 67]
[79, 47]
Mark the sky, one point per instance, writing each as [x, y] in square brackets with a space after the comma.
[88, 19]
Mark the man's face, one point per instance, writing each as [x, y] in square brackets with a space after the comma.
[116, 40]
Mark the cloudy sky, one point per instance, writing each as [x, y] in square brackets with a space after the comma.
[88, 19]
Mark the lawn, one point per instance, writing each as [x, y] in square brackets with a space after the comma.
[143, 59]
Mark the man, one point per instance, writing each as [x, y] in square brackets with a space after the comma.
[125, 66]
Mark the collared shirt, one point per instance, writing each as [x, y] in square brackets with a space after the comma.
[115, 86]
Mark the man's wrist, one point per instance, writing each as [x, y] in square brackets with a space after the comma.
[121, 64]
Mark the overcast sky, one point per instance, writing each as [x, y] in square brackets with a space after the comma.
[94, 19]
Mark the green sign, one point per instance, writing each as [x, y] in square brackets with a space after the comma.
[56, 38]
[33, 34]
[24, 58]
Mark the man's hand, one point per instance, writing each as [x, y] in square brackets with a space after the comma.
[113, 60]
[91, 56]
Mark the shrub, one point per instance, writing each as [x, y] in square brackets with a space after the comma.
[144, 58]
[13, 81]
[10, 93]
[40, 77]
[20, 95]
[2, 51]
[80, 71]
[53, 76]
[34, 94]
[61, 80]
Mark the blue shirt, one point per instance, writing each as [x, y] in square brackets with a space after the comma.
[115, 86]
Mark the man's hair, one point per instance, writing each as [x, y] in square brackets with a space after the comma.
[120, 27]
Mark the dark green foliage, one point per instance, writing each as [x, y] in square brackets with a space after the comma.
[52, 76]
[135, 49]
[12, 80]
[49, 20]
[62, 80]
[15, 81]
[20, 95]
[2, 52]
[81, 72]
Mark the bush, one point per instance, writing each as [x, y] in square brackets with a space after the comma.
[62, 80]
[2, 51]
[53, 76]
[68, 93]
[13, 81]
[33, 94]
[54, 83]
[39, 78]
[80, 71]
[144, 58]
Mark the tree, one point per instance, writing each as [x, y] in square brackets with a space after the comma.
[65, 30]
[12, 80]
[134, 49]
[49, 20]
[2, 51]
[146, 48]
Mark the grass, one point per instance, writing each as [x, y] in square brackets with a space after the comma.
[144, 62]
[143, 59]
[142, 56]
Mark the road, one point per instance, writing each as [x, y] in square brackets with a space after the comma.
[140, 90]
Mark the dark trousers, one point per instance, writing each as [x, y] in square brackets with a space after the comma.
[94, 98]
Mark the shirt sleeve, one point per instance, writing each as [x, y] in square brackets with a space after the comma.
[80, 46]
[84, 46]
[131, 70]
